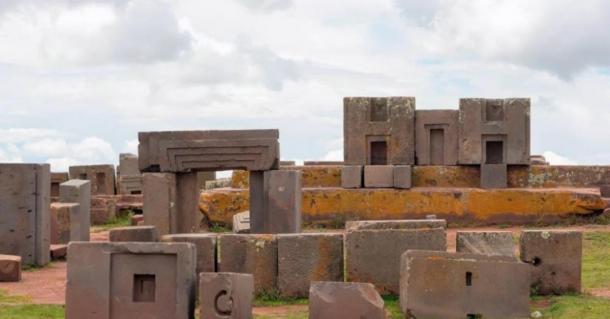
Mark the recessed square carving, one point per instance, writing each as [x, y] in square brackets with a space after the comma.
[144, 287]
[494, 152]
[379, 153]
[494, 111]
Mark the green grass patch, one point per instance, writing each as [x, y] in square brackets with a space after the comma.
[596, 260]
[27, 311]
[576, 306]
[219, 228]
[115, 222]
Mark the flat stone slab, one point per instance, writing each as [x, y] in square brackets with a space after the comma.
[331, 300]
[59, 252]
[458, 285]
[305, 258]
[10, 268]
[225, 295]
[133, 234]
[241, 223]
[395, 224]
[486, 242]
[556, 259]
[205, 245]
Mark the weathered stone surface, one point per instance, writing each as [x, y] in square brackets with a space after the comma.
[457, 285]
[59, 252]
[137, 220]
[395, 224]
[130, 281]
[205, 245]
[203, 178]
[367, 249]
[493, 176]
[436, 137]
[351, 176]
[505, 121]
[402, 176]
[78, 191]
[24, 211]
[283, 191]
[241, 223]
[56, 179]
[322, 163]
[379, 176]
[287, 163]
[133, 234]
[102, 177]
[311, 176]
[556, 259]
[225, 295]
[10, 268]
[130, 184]
[103, 209]
[186, 151]
[304, 258]
[65, 226]
[128, 164]
[486, 242]
[160, 201]
[349, 300]
[379, 131]
[538, 160]
[478, 206]
[250, 254]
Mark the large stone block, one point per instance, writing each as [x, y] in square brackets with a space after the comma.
[378, 176]
[305, 258]
[556, 259]
[130, 281]
[283, 191]
[331, 300]
[494, 131]
[104, 209]
[56, 179]
[225, 295]
[10, 268]
[187, 151]
[102, 177]
[494, 176]
[436, 137]
[250, 254]
[133, 234]
[456, 285]
[128, 164]
[160, 201]
[130, 184]
[25, 211]
[78, 191]
[402, 176]
[486, 242]
[395, 224]
[368, 249]
[379, 131]
[65, 225]
[351, 176]
[205, 245]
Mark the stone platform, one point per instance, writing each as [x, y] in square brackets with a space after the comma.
[333, 205]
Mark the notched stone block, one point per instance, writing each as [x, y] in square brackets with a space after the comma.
[402, 176]
[331, 300]
[133, 234]
[379, 176]
[225, 295]
[10, 268]
[486, 243]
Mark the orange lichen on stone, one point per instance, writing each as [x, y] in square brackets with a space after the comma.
[311, 176]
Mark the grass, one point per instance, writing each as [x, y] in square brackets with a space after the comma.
[18, 307]
[115, 222]
[577, 306]
[596, 260]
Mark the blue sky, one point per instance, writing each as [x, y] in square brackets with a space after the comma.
[79, 79]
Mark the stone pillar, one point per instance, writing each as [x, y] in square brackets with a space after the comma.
[160, 201]
[188, 216]
[258, 211]
[283, 192]
[78, 191]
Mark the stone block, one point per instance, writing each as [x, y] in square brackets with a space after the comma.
[486, 242]
[378, 176]
[59, 252]
[283, 191]
[25, 212]
[494, 176]
[130, 184]
[133, 234]
[160, 201]
[331, 300]
[205, 245]
[323, 163]
[367, 249]
[436, 137]
[128, 164]
[250, 254]
[65, 225]
[402, 176]
[379, 131]
[130, 281]
[103, 209]
[10, 268]
[305, 258]
[56, 179]
[556, 259]
[458, 285]
[494, 131]
[351, 176]
[102, 177]
[604, 190]
[225, 295]
[241, 223]
[395, 224]
[137, 220]
[78, 191]
[203, 178]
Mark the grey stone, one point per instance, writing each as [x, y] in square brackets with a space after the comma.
[395, 224]
[486, 242]
[348, 300]
[494, 176]
[458, 285]
[402, 176]
[64, 223]
[130, 184]
[351, 176]
[160, 202]
[378, 176]
[436, 137]
[101, 176]
[225, 295]
[323, 163]
[203, 178]
[241, 223]
[128, 164]
[304, 258]
[283, 191]
[133, 234]
[78, 191]
[130, 281]
[25, 212]
[205, 245]
[56, 179]
[59, 252]
[10, 268]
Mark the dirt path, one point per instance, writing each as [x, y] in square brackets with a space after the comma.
[48, 285]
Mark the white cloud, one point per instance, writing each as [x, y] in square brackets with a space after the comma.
[266, 5]
[556, 159]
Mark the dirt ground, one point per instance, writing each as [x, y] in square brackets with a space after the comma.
[48, 285]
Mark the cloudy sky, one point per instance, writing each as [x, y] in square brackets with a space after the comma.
[80, 78]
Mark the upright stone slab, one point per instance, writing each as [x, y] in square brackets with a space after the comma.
[250, 254]
[379, 131]
[494, 176]
[24, 212]
[436, 137]
[378, 176]
[331, 300]
[10, 268]
[486, 243]
[160, 202]
[56, 179]
[373, 255]
[130, 281]
[78, 191]
[225, 295]
[133, 234]
[305, 258]
[205, 245]
[402, 176]
[283, 191]
[351, 176]
[128, 164]
[458, 285]
[556, 259]
[103, 209]
[130, 184]
[64, 218]
[102, 177]
[241, 223]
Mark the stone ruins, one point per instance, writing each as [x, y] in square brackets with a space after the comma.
[378, 223]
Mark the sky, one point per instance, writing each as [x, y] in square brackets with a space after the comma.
[80, 78]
